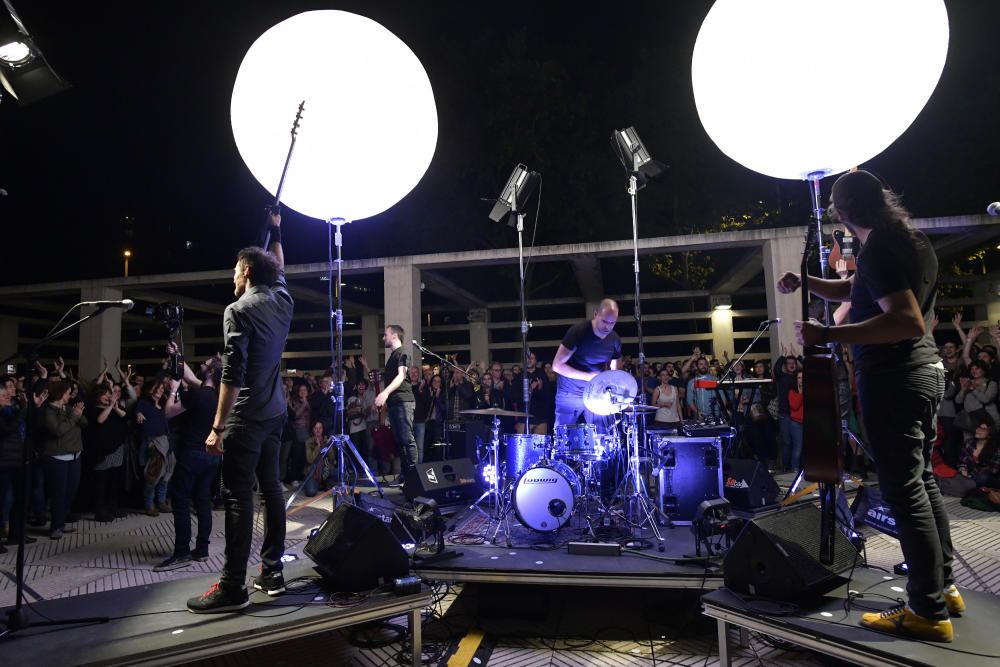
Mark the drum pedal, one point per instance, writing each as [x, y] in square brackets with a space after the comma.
[595, 549]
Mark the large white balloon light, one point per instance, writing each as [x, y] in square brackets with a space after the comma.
[786, 87]
[370, 125]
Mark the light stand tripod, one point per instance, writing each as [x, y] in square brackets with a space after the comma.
[16, 619]
[641, 167]
[339, 439]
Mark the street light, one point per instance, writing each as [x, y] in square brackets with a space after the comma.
[127, 254]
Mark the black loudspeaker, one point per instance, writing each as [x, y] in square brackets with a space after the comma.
[443, 481]
[466, 439]
[690, 473]
[355, 551]
[777, 556]
[748, 485]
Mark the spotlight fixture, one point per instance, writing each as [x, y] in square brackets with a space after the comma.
[720, 302]
[635, 157]
[24, 71]
[521, 181]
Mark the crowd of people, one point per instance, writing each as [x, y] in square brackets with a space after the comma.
[131, 439]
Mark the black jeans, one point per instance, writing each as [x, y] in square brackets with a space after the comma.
[401, 422]
[107, 485]
[193, 478]
[899, 414]
[62, 479]
[252, 447]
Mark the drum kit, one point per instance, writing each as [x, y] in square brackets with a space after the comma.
[544, 481]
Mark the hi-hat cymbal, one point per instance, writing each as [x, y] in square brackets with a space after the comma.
[495, 412]
[609, 392]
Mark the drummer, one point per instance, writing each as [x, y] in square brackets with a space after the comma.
[587, 349]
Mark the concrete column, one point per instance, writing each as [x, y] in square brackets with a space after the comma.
[590, 307]
[371, 339]
[479, 335]
[8, 338]
[101, 336]
[722, 334]
[781, 255]
[402, 304]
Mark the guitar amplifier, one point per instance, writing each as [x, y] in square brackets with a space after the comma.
[690, 472]
[467, 438]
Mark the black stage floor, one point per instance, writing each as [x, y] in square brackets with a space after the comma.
[536, 557]
[831, 625]
[150, 625]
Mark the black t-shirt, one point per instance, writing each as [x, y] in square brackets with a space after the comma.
[404, 392]
[891, 262]
[199, 404]
[590, 353]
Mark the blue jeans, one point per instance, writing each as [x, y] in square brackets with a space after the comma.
[419, 429]
[193, 478]
[792, 456]
[401, 423]
[252, 447]
[62, 479]
[899, 411]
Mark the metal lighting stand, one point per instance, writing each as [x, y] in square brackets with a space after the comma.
[340, 440]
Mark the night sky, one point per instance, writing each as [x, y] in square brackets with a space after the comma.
[145, 132]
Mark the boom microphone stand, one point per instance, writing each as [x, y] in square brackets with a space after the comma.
[16, 619]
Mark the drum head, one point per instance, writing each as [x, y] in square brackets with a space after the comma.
[544, 496]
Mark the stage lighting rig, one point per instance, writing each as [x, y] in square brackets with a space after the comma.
[520, 186]
[24, 71]
[635, 156]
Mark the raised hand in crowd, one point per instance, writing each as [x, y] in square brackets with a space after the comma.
[43, 373]
[40, 398]
[349, 362]
[935, 321]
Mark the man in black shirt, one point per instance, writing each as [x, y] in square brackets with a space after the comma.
[398, 395]
[900, 382]
[196, 469]
[249, 420]
[584, 352]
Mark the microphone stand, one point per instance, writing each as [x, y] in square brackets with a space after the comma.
[447, 398]
[16, 620]
[762, 328]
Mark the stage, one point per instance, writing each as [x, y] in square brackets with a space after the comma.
[149, 625]
[831, 627]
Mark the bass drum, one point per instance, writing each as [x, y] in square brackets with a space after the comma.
[544, 496]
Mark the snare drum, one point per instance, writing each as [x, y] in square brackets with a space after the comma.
[523, 450]
[545, 495]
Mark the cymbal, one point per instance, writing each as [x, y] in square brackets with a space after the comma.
[609, 392]
[495, 412]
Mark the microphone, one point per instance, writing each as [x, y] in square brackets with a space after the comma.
[127, 304]
[776, 320]
[994, 208]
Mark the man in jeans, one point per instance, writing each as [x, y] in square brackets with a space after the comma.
[196, 468]
[248, 423]
[900, 383]
[398, 396]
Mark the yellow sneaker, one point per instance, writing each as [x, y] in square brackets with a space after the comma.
[902, 621]
[953, 600]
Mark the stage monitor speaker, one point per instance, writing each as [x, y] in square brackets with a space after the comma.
[748, 485]
[777, 556]
[443, 481]
[690, 473]
[355, 551]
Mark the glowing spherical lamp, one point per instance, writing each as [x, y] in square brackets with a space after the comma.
[786, 87]
[369, 128]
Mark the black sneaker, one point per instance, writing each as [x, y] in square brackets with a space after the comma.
[219, 600]
[173, 563]
[200, 556]
[272, 584]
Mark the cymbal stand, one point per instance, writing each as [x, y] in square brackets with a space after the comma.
[637, 506]
[497, 480]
